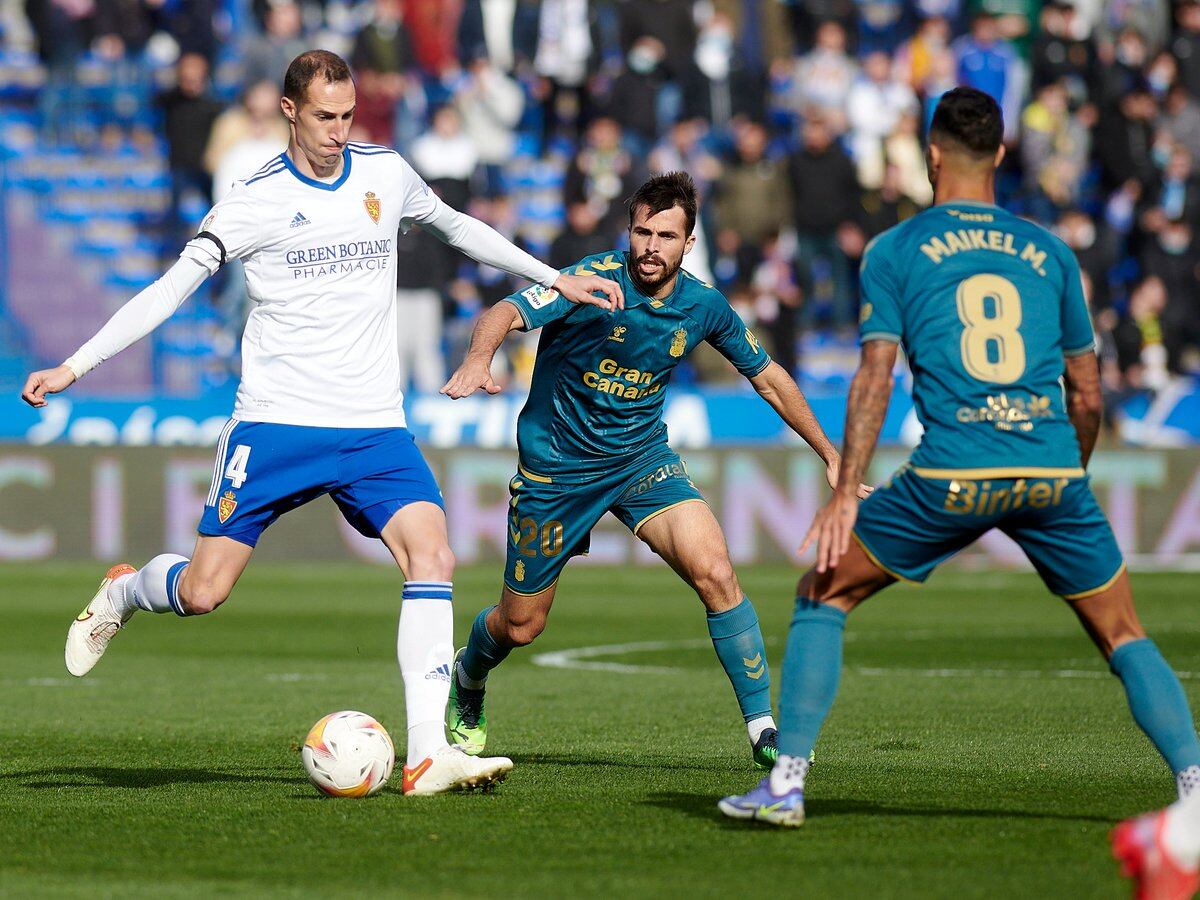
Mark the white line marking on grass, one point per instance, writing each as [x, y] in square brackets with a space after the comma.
[583, 659]
[290, 677]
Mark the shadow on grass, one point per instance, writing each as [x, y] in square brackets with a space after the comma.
[111, 776]
[704, 806]
[614, 762]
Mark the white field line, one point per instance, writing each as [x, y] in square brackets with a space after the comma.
[583, 659]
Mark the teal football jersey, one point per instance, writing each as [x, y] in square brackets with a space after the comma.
[986, 306]
[600, 377]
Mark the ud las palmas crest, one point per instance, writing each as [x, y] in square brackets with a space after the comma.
[225, 507]
[374, 206]
[679, 344]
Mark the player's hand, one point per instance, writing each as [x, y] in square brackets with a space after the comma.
[582, 288]
[831, 530]
[46, 381]
[472, 375]
[833, 469]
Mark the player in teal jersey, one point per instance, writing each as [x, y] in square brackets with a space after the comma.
[591, 439]
[991, 313]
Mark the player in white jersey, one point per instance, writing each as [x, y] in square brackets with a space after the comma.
[319, 409]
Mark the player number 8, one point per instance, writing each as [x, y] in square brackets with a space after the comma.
[992, 348]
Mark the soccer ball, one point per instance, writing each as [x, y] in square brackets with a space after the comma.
[348, 754]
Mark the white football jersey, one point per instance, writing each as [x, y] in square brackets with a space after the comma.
[320, 345]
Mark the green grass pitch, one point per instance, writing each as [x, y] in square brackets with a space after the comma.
[978, 746]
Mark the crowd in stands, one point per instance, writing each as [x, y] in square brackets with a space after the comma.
[801, 122]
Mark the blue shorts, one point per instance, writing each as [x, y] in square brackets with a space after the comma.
[550, 521]
[263, 470]
[912, 524]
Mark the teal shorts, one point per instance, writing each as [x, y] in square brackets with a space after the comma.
[549, 521]
[915, 522]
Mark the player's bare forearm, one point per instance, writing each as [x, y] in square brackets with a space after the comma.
[778, 388]
[865, 408]
[476, 369]
[1084, 401]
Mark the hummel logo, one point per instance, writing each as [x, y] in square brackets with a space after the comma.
[441, 673]
[298, 220]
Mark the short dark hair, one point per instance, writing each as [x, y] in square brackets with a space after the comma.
[969, 118]
[662, 192]
[307, 68]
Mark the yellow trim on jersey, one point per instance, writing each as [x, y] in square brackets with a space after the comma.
[873, 558]
[535, 593]
[1083, 595]
[666, 508]
[999, 472]
[540, 479]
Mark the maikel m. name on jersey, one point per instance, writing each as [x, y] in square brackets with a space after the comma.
[320, 344]
[600, 377]
[986, 306]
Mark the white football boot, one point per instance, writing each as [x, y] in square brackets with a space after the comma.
[449, 769]
[94, 627]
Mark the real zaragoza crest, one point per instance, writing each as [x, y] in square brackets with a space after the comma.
[225, 506]
[374, 206]
[679, 343]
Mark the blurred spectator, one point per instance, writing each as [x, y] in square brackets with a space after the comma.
[602, 174]
[1055, 149]
[722, 86]
[752, 194]
[1124, 136]
[1095, 249]
[244, 137]
[671, 22]
[989, 63]
[1174, 193]
[266, 56]
[121, 27]
[446, 158]
[1186, 45]
[878, 211]
[1174, 256]
[490, 105]
[882, 25]
[1060, 54]
[563, 56]
[1180, 119]
[433, 27]
[918, 57]
[1139, 337]
[824, 191]
[579, 239]
[382, 58]
[762, 33]
[504, 33]
[189, 111]
[903, 151]
[424, 266]
[874, 107]
[822, 79]
[1014, 20]
[684, 150]
[776, 298]
[633, 98]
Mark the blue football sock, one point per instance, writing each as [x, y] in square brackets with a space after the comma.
[739, 644]
[1157, 701]
[812, 667]
[483, 653]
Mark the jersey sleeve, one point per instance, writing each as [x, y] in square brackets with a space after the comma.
[879, 318]
[420, 204]
[229, 231]
[1078, 337]
[736, 342]
[540, 306]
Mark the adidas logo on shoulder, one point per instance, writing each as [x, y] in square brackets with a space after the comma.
[441, 673]
[298, 220]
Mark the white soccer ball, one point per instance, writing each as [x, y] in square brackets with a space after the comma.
[348, 754]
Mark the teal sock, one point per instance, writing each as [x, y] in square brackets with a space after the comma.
[1157, 701]
[739, 644]
[483, 653]
[812, 667]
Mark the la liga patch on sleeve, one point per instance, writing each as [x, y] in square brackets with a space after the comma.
[538, 296]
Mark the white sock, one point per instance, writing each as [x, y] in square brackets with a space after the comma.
[425, 649]
[1181, 834]
[757, 726]
[1188, 781]
[152, 587]
[789, 774]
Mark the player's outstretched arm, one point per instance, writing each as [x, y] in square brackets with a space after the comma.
[777, 387]
[865, 408]
[1084, 401]
[484, 244]
[476, 369]
[130, 323]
